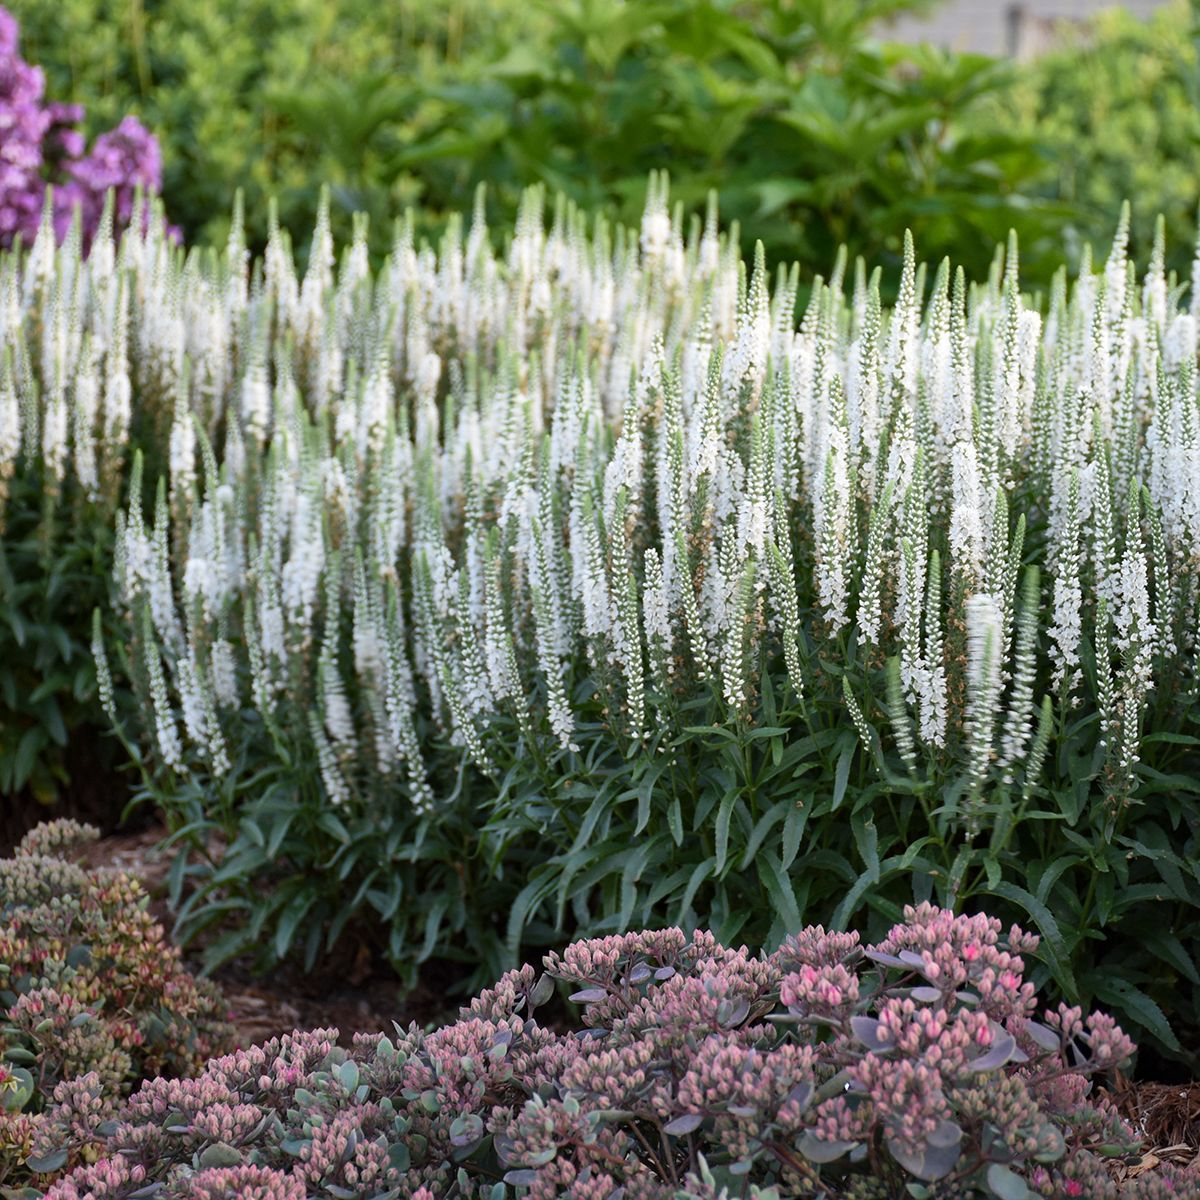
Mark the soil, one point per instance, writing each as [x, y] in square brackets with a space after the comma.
[1167, 1116]
[359, 996]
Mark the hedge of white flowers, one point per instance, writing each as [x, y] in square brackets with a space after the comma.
[623, 458]
[484, 507]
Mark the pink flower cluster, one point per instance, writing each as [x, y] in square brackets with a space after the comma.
[912, 1067]
[41, 145]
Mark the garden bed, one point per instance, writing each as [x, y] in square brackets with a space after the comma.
[560, 591]
[367, 998]
[354, 993]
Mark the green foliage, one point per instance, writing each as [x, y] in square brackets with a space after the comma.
[1118, 116]
[409, 886]
[53, 567]
[815, 134]
[757, 825]
[90, 990]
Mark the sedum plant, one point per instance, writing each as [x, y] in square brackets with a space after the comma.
[581, 585]
[918, 1067]
[91, 991]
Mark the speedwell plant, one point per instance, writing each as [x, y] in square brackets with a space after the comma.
[579, 586]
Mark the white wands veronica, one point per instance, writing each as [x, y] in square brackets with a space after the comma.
[603, 471]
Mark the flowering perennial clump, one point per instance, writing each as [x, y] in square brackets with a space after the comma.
[476, 491]
[92, 999]
[41, 147]
[486, 566]
[917, 1067]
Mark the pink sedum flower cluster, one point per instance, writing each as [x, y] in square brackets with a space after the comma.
[41, 145]
[917, 1067]
[93, 999]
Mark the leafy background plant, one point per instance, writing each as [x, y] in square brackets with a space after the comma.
[1118, 115]
[815, 132]
[56, 754]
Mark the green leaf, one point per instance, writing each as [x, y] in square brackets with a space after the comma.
[766, 823]
[31, 743]
[1006, 1184]
[866, 838]
[45, 1164]
[645, 794]
[1054, 948]
[595, 810]
[347, 1074]
[700, 873]
[333, 825]
[721, 829]
[675, 821]
[779, 888]
[842, 773]
[528, 899]
[1170, 949]
[220, 1154]
[1119, 993]
[279, 829]
[635, 865]
[850, 902]
[252, 832]
[793, 832]
[15, 1099]
[433, 921]
[293, 913]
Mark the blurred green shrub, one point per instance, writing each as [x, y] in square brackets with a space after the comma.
[815, 133]
[1119, 116]
[218, 83]
[53, 559]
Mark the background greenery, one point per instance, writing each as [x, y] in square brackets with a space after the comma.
[1118, 116]
[815, 132]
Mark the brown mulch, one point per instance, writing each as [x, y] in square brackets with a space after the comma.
[1167, 1118]
[360, 996]
[260, 1012]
